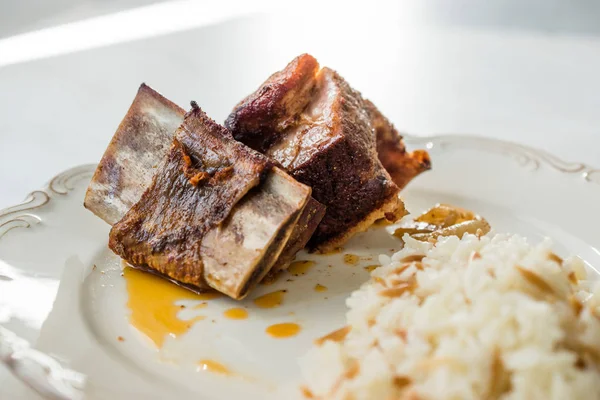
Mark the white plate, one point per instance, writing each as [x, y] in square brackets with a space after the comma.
[74, 314]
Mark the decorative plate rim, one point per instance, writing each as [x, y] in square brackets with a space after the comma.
[52, 380]
[525, 155]
[41, 372]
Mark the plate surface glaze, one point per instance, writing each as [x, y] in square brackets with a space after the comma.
[66, 308]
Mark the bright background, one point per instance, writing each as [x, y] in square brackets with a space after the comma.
[524, 71]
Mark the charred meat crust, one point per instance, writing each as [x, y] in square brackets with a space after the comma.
[259, 118]
[325, 139]
[165, 228]
[346, 173]
[332, 175]
[402, 166]
[251, 237]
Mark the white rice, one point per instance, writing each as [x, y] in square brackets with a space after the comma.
[484, 318]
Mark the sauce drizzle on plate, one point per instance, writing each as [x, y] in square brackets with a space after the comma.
[284, 330]
[236, 313]
[298, 268]
[213, 366]
[320, 288]
[152, 301]
[270, 300]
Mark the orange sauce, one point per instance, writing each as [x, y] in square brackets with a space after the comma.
[298, 268]
[208, 295]
[214, 367]
[152, 304]
[335, 336]
[284, 330]
[371, 268]
[351, 259]
[270, 300]
[320, 288]
[236, 313]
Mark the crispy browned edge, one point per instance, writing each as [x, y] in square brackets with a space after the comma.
[260, 118]
[169, 246]
[402, 166]
[285, 93]
[288, 94]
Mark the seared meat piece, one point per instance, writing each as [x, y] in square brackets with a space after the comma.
[193, 191]
[175, 227]
[322, 131]
[139, 145]
[253, 238]
[400, 164]
[245, 237]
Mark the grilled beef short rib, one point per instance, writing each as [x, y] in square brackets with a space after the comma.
[238, 242]
[310, 121]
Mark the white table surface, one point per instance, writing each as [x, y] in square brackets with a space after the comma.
[430, 70]
[522, 85]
